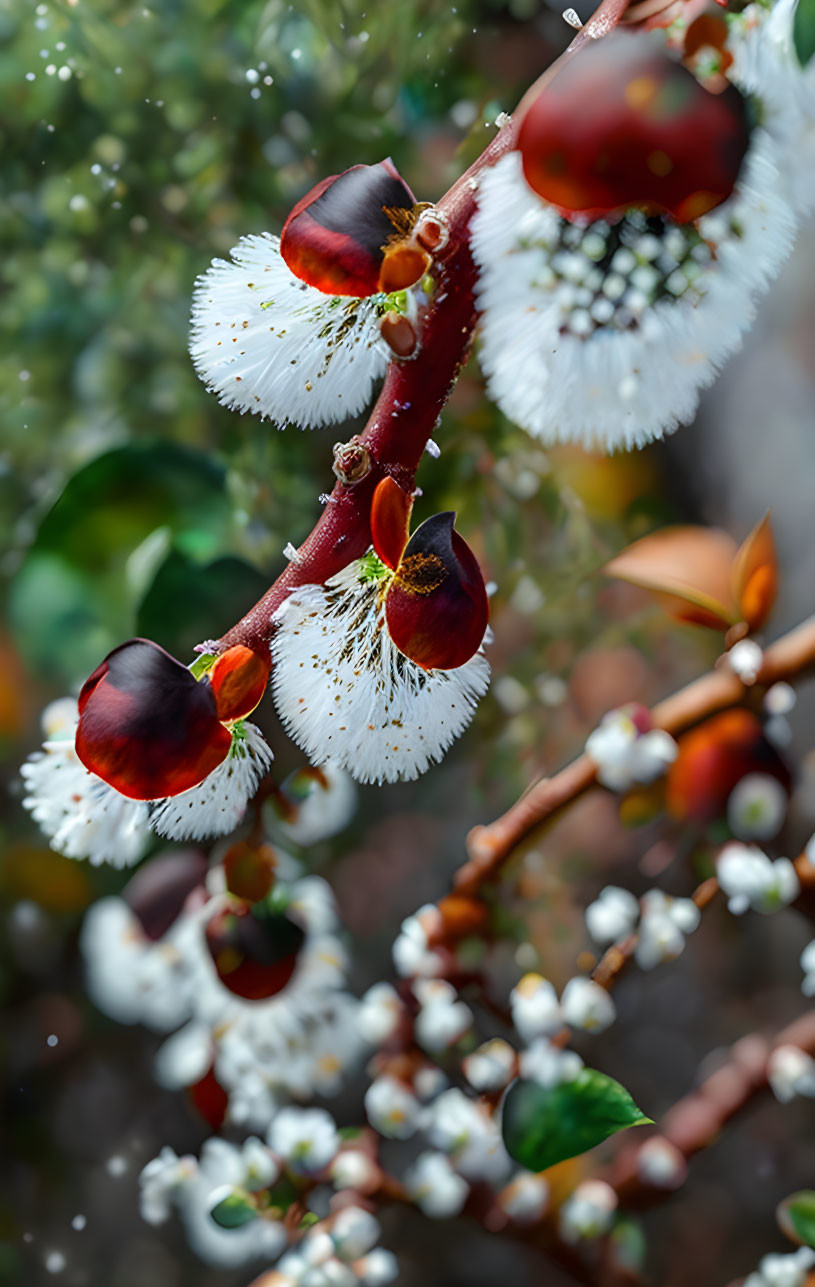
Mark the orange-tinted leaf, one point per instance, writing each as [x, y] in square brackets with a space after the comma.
[692, 566]
[334, 238]
[755, 574]
[238, 680]
[390, 519]
[147, 727]
[436, 607]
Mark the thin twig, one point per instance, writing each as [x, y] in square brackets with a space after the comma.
[488, 847]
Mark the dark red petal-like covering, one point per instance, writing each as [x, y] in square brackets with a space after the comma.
[334, 238]
[390, 519]
[624, 124]
[238, 680]
[713, 758]
[254, 949]
[157, 893]
[146, 725]
[437, 609]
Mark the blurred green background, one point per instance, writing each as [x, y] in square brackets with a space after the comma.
[137, 143]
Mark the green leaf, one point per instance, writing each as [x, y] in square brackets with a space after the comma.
[74, 597]
[188, 602]
[796, 1215]
[544, 1125]
[234, 1211]
[803, 31]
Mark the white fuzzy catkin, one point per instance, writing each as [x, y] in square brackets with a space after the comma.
[266, 342]
[346, 693]
[613, 352]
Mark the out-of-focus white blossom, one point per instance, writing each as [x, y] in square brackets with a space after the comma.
[194, 1188]
[664, 922]
[411, 952]
[470, 1135]
[158, 1184]
[791, 1072]
[535, 1008]
[491, 1066]
[627, 752]
[300, 1041]
[660, 1163]
[435, 1187]
[354, 1169]
[783, 1271]
[378, 1268]
[548, 1065]
[757, 807]
[766, 64]
[613, 915]
[808, 966]
[752, 880]
[586, 1005]
[588, 1212]
[442, 1019]
[379, 1013]
[392, 1108]
[745, 659]
[354, 1232]
[306, 1138]
[324, 803]
[525, 1198]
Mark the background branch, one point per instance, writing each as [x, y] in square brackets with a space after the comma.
[788, 658]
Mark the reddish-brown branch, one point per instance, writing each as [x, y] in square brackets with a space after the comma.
[412, 398]
[697, 1119]
[490, 846]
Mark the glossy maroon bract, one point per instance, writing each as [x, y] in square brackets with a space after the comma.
[623, 123]
[147, 727]
[436, 607]
[335, 237]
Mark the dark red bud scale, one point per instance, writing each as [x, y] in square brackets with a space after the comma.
[146, 725]
[157, 893]
[254, 949]
[436, 607]
[399, 334]
[335, 238]
[624, 124]
[210, 1099]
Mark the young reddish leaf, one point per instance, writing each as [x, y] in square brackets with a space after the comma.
[390, 519]
[238, 680]
[334, 238]
[712, 760]
[624, 124]
[254, 949]
[436, 607]
[146, 725]
[690, 568]
[755, 575]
